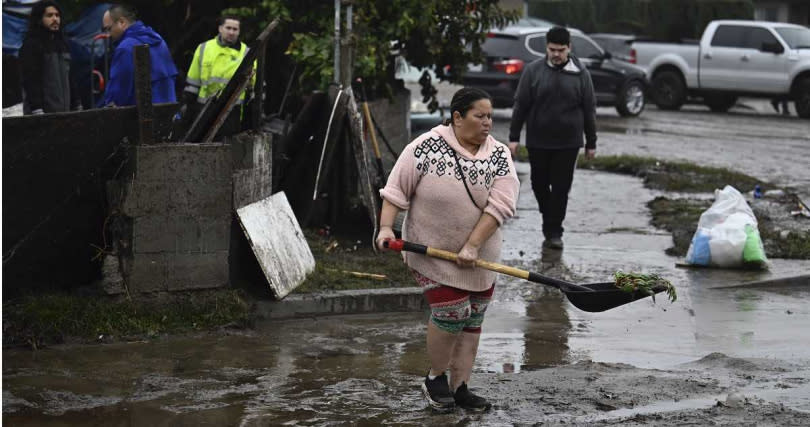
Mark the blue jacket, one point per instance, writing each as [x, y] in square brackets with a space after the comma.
[121, 87]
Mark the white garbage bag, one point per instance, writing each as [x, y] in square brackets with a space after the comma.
[727, 234]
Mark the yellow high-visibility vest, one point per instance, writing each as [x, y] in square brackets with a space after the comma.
[212, 67]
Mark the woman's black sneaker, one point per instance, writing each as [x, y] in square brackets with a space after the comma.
[466, 399]
[438, 394]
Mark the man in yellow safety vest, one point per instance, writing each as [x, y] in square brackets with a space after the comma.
[214, 63]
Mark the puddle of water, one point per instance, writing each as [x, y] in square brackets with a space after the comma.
[601, 127]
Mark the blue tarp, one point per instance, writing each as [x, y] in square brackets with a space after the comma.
[14, 28]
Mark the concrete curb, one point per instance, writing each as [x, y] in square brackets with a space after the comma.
[802, 280]
[343, 302]
[410, 299]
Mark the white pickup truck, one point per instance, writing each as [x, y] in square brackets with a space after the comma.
[732, 58]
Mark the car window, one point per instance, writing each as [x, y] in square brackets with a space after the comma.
[612, 45]
[758, 36]
[502, 46]
[795, 37]
[583, 48]
[730, 36]
[537, 44]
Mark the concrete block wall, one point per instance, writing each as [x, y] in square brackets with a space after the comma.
[252, 167]
[179, 199]
[175, 225]
[394, 118]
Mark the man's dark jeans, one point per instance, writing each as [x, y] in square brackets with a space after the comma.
[552, 175]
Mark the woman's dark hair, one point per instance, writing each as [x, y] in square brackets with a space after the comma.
[35, 20]
[558, 35]
[463, 100]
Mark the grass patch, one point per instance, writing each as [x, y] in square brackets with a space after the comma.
[671, 176]
[679, 217]
[793, 245]
[56, 318]
[335, 255]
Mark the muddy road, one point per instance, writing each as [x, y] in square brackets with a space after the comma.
[735, 356]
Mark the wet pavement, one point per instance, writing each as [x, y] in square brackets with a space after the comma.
[540, 360]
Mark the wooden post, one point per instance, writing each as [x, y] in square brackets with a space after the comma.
[143, 94]
[367, 190]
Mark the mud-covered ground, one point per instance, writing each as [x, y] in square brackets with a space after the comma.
[363, 371]
[715, 390]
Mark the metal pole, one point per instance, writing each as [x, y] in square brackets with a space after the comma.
[337, 42]
[347, 56]
[349, 19]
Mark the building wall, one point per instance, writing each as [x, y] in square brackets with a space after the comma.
[393, 117]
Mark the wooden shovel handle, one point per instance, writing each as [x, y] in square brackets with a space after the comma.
[402, 245]
[493, 266]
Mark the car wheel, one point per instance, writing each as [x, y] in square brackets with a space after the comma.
[669, 90]
[802, 99]
[720, 103]
[631, 100]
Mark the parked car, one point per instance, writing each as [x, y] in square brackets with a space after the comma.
[619, 45]
[732, 59]
[509, 50]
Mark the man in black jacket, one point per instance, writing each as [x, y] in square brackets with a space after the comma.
[45, 61]
[555, 99]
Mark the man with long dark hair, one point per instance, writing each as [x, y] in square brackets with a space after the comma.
[45, 61]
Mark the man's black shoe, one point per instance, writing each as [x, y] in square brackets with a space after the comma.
[466, 399]
[553, 243]
[437, 392]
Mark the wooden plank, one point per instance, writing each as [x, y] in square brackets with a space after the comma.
[55, 167]
[368, 192]
[278, 243]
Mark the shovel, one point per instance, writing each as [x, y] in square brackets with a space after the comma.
[593, 297]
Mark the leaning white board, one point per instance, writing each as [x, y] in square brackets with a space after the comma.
[278, 242]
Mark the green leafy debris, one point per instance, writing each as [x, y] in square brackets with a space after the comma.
[646, 284]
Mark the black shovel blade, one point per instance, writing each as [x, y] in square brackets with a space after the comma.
[603, 296]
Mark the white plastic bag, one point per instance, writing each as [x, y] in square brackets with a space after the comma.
[723, 231]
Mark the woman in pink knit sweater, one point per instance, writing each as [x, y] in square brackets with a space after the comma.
[458, 185]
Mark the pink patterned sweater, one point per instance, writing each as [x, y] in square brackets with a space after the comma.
[426, 183]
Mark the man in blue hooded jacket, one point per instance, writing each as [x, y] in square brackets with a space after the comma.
[125, 30]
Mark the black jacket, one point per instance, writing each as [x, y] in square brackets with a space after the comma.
[45, 62]
[557, 104]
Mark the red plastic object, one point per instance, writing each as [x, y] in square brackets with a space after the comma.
[394, 244]
[101, 83]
